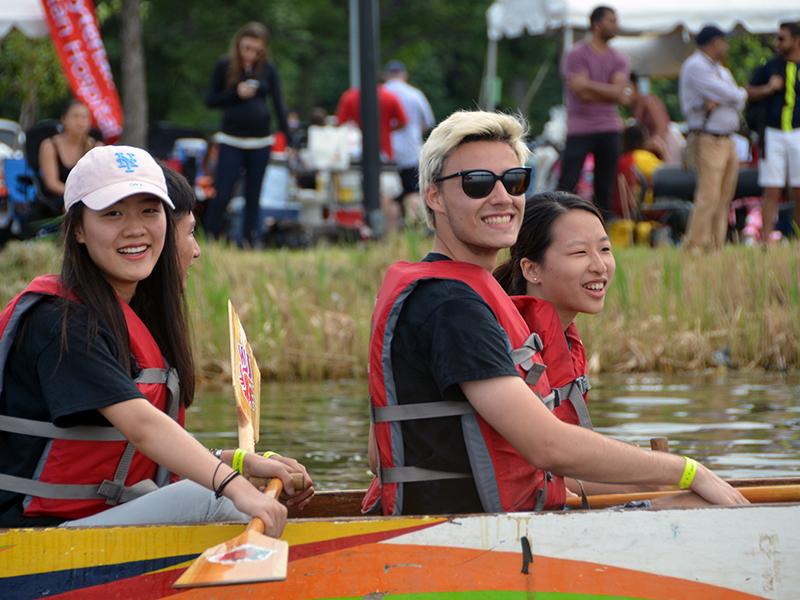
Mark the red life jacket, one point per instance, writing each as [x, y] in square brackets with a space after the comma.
[565, 358]
[506, 481]
[83, 470]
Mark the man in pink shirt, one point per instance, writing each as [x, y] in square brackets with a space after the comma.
[597, 79]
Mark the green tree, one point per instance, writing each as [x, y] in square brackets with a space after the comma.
[30, 78]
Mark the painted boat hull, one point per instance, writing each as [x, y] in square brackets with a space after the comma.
[709, 553]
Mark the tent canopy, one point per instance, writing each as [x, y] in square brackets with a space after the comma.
[25, 15]
[512, 18]
[655, 36]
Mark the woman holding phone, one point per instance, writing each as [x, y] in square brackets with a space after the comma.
[240, 84]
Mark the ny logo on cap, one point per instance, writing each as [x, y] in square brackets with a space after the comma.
[126, 161]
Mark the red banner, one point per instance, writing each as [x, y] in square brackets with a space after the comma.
[76, 38]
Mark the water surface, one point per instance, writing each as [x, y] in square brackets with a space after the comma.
[738, 424]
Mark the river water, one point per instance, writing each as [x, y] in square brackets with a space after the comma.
[738, 424]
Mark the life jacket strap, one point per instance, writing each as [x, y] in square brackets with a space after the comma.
[409, 474]
[421, 410]
[48, 430]
[55, 491]
[541, 493]
[523, 357]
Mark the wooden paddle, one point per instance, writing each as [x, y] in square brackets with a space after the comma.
[757, 494]
[246, 383]
[247, 389]
[250, 557]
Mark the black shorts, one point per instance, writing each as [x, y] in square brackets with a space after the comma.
[410, 179]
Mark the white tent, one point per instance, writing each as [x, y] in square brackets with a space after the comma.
[667, 23]
[25, 15]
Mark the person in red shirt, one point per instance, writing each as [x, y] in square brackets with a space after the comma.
[390, 115]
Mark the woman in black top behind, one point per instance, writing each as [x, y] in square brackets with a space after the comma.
[240, 84]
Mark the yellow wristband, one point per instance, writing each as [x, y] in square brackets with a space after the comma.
[688, 474]
[270, 454]
[238, 460]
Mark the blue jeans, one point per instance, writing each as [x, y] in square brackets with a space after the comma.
[229, 168]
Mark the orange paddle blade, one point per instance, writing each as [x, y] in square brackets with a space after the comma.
[249, 558]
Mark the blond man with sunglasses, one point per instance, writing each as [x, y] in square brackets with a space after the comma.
[454, 426]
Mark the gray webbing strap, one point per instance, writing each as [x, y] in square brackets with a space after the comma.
[541, 494]
[551, 400]
[534, 373]
[48, 430]
[577, 389]
[422, 410]
[168, 377]
[409, 474]
[584, 499]
[523, 357]
[112, 490]
[10, 332]
[33, 487]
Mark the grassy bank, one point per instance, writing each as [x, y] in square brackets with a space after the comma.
[307, 313]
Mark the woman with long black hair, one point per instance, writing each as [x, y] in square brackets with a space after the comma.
[97, 372]
[240, 84]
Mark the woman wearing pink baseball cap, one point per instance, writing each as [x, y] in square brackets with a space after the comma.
[105, 344]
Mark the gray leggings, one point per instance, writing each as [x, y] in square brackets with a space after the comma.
[181, 502]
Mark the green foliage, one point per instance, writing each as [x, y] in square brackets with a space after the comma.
[442, 42]
[30, 75]
[747, 52]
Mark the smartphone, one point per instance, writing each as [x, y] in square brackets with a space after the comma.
[253, 83]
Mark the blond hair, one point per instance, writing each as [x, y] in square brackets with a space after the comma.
[462, 127]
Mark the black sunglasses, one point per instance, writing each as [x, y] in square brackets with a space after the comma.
[479, 183]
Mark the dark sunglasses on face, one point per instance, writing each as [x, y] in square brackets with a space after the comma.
[479, 183]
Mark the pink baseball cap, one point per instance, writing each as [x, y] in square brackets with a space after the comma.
[107, 174]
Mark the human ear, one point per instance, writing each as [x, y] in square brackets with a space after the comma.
[79, 237]
[530, 270]
[433, 198]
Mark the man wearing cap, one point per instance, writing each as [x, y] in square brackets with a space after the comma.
[776, 83]
[407, 141]
[597, 77]
[711, 101]
[91, 348]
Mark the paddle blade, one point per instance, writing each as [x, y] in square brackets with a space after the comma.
[249, 558]
[246, 382]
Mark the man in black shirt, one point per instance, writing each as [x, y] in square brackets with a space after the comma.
[442, 340]
[775, 84]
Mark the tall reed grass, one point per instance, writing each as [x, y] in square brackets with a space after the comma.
[307, 313]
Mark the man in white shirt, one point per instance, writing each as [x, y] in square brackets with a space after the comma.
[711, 101]
[407, 141]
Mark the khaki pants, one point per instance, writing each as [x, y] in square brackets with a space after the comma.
[717, 175]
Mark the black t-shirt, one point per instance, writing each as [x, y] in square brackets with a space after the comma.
[251, 117]
[446, 334]
[65, 388]
[776, 102]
